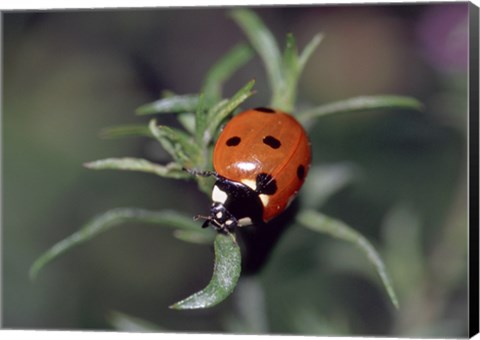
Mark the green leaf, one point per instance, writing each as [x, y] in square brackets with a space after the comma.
[285, 93]
[212, 88]
[308, 51]
[110, 219]
[264, 43]
[201, 118]
[223, 70]
[177, 143]
[187, 120]
[171, 170]
[125, 131]
[226, 272]
[194, 236]
[364, 103]
[171, 104]
[290, 55]
[220, 112]
[321, 223]
[283, 74]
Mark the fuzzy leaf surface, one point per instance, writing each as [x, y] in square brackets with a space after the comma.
[363, 103]
[223, 70]
[221, 112]
[170, 104]
[226, 272]
[263, 41]
[171, 170]
[177, 143]
[106, 221]
[321, 223]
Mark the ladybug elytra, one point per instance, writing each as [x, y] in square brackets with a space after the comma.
[261, 160]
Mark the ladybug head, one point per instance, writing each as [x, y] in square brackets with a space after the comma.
[220, 218]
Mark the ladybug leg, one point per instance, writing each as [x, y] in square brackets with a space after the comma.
[224, 223]
[207, 219]
[206, 224]
[202, 173]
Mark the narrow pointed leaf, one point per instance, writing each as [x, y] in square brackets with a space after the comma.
[223, 111]
[187, 120]
[125, 131]
[110, 219]
[171, 104]
[171, 170]
[263, 41]
[290, 55]
[308, 51]
[283, 73]
[364, 103]
[223, 70]
[177, 143]
[285, 93]
[226, 272]
[321, 223]
[201, 118]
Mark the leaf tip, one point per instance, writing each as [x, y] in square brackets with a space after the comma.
[91, 165]
[396, 304]
[190, 302]
[318, 37]
[152, 121]
[143, 109]
[180, 305]
[33, 272]
[238, 12]
[174, 306]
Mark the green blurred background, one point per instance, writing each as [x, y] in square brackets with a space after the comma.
[68, 74]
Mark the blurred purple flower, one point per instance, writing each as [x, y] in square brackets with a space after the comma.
[443, 36]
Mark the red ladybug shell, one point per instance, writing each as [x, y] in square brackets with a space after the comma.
[266, 144]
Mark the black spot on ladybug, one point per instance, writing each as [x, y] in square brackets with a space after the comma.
[301, 172]
[266, 184]
[272, 142]
[264, 110]
[233, 141]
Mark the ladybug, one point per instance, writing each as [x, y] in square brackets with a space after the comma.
[261, 160]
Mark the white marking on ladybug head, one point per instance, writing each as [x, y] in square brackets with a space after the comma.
[219, 215]
[250, 183]
[219, 195]
[264, 198]
[244, 221]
